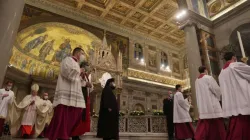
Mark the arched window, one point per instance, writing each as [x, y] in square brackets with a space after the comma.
[138, 53]
[164, 59]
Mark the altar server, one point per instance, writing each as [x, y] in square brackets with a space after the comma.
[235, 87]
[6, 98]
[208, 95]
[87, 88]
[68, 100]
[182, 119]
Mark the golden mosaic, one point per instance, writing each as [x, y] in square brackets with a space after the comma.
[40, 48]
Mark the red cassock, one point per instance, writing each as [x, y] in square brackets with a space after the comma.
[239, 127]
[27, 130]
[210, 129]
[83, 126]
[184, 130]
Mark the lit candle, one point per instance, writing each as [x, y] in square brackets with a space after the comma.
[241, 45]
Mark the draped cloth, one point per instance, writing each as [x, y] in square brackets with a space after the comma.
[183, 130]
[239, 127]
[210, 129]
[84, 125]
[63, 122]
[16, 113]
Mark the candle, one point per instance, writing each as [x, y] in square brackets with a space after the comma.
[241, 45]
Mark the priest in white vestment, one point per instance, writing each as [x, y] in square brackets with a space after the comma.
[234, 81]
[30, 115]
[182, 119]
[68, 100]
[48, 104]
[208, 95]
[6, 98]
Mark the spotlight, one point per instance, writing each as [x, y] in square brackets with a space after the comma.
[142, 60]
[181, 14]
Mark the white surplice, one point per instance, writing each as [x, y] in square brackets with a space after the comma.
[208, 95]
[181, 109]
[235, 87]
[4, 102]
[69, 89]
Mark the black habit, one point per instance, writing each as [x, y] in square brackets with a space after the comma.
[108, 123]
[168, 107]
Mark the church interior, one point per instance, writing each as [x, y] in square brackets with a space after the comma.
[148, 46]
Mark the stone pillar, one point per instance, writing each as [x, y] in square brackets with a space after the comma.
[194, 59]
[131, 50]
[158, 60]
[170, 62]
[10, 16]
[145, 56]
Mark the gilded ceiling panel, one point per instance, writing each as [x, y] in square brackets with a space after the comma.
[120, 9]
[157, 35]
[131, 2]
[129, 24]
[144, 29]
[152, 22]
[138, 16]
[91, 10]
[149, 5]
[113, 18]
[99, 3]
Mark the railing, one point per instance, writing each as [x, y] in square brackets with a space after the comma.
[138, 124]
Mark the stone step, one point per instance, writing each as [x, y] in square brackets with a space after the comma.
[131, 136]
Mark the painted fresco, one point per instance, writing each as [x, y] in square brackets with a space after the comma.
[119, 43]
[40, 48]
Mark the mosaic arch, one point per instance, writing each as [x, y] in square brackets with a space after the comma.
[39, 49]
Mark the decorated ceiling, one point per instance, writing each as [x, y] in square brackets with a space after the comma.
[40, 48]
[153, 18]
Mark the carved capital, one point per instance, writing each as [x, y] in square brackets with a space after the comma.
[188, 23]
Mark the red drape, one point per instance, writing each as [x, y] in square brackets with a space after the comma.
[83, 126]
[210, 129]
[184, 130]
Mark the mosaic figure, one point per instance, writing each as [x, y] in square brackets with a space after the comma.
[46, 49]
[35, 43]
[65, 50]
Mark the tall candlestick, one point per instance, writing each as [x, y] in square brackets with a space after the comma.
[241, 45]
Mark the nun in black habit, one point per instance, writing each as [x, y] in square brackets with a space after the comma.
[108, 123]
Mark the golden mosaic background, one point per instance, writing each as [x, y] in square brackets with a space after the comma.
[40, 48]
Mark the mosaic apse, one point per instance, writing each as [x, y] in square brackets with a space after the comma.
[40, 48]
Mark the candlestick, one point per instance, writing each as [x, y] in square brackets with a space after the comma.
[241, 45]
[244, 59]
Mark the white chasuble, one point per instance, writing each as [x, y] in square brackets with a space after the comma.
[5, 102]
[234, 81]
[181, 109]
[69, 89]
[208, 95]
[36, 115]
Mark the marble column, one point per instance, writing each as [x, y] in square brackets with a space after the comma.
[145, 56]
[131, 50]
[158, 60]
[10, 16]
[194, 59]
